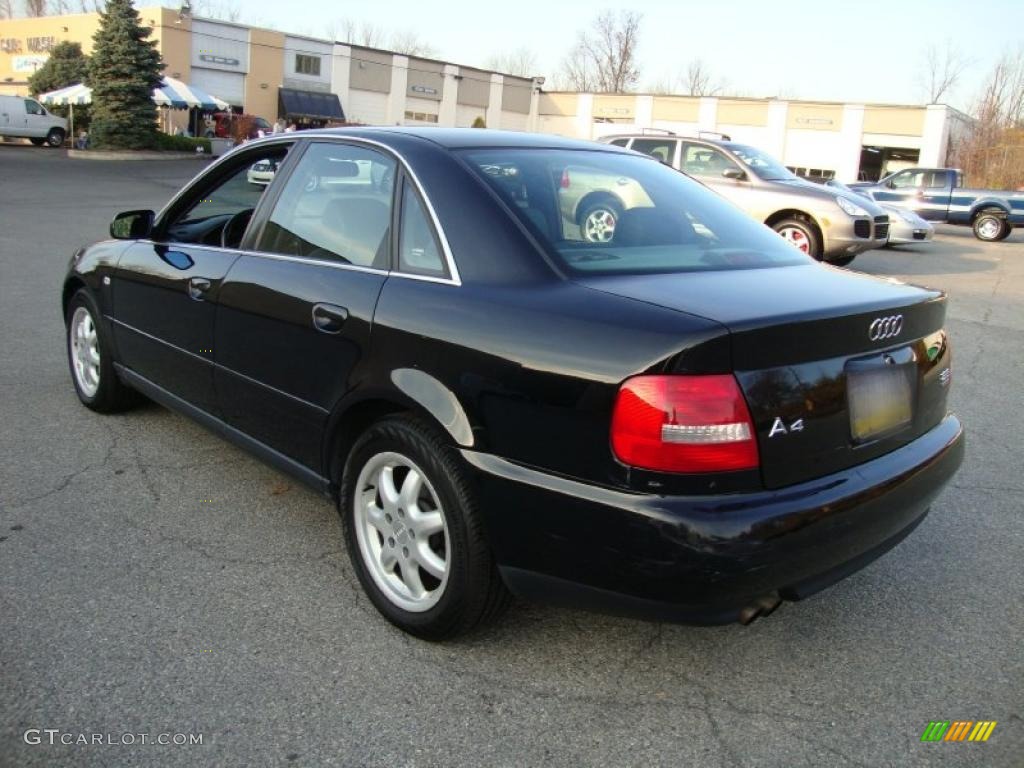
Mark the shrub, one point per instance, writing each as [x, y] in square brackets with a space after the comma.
[169, 143]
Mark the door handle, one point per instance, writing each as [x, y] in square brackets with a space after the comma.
[197, 287]
[329, 318]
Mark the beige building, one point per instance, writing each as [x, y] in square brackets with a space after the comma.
[273, 74]
[835, 140]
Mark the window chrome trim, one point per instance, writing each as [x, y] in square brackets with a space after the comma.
[453, 270]
[301, 260]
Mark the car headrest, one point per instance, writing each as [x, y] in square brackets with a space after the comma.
[651, 226]
[343, 169]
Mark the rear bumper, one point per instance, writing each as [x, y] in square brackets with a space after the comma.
[705, 559]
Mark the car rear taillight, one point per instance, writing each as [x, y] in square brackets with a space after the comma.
[565, 179]
[683, 424]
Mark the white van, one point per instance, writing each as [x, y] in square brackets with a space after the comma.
[25, 118]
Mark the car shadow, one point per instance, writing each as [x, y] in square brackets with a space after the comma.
[920, 260]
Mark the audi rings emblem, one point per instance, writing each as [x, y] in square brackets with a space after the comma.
[885, 327]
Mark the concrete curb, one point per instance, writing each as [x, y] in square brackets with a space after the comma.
[131, 154]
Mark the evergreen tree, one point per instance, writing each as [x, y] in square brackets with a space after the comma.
[124, 69]
[66, 66]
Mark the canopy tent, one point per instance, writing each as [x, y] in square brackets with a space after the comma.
[174, 93]
[171, 93]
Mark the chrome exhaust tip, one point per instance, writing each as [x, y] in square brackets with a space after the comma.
[763, 606]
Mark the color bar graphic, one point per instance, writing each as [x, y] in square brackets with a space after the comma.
[958, 730]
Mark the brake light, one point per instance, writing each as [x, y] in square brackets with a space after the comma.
[565, 179]
[683, 424]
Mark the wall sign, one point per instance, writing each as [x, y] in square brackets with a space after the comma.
[423, 89]
[222, 60]
[27, 63]
[815, 120]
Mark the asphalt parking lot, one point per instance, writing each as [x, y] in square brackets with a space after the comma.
[154, 579]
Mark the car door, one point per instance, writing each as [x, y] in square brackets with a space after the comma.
[165, 289]
[37, 121]
[709, 163]
[13, 117]
[936, 190]
[294, 314]
[901, 189]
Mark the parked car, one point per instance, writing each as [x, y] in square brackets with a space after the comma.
[262, 172]
[691, 421]
[224, 122]
[905, 226]
[28, 119]
[826, 225]
[938, 194]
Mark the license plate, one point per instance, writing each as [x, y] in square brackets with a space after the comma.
[879, 400]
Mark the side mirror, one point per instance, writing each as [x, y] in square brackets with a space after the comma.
[734, 173]
[132, 225]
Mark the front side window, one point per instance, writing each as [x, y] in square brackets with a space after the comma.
[907, 180]
[335, 206]
[34, 107]
[705, 161]
[604, 212]
[203, 215]
[765, 166]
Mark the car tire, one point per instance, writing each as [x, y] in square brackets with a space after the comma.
[1007, 229]
[988, 226]
[801, 235]
[55, 138]
[842, 261]
[396, 529]
[91, 360]
[38, 142]
[599, 219]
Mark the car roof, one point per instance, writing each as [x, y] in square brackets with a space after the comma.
[461, 138]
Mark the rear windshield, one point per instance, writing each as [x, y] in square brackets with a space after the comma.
[605, 212]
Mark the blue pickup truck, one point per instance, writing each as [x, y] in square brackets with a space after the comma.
[938, 194]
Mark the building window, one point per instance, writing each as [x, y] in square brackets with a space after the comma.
[307, 65]
[423, 117]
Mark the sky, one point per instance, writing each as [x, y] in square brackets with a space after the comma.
[857, 50]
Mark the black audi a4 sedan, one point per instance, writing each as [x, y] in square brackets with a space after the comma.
[666, 411]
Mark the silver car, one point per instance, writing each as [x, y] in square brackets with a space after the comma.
[828, 224]
[905, 226]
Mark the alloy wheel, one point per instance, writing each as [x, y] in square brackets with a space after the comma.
[796, 237]
[599, 226]
[990, 228]
[402, 532]
[85, 351]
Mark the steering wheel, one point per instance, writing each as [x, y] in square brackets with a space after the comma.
[234, 229]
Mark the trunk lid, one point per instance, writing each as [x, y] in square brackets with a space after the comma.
[837, 368]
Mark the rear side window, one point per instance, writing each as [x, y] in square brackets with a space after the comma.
[335, 206]
[605, 212]
[619, 142]
[418, 252]
[663, 150]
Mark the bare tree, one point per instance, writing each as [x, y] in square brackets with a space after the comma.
[361, 33]
[224, 10]
[6, 9]
[35, 7]
[59, 7]
[604, 57]
[941, 70]
[991, 152]
[521, 62]
[409, 43]
[698, 82]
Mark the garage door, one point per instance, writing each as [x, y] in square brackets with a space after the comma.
[229, 86]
